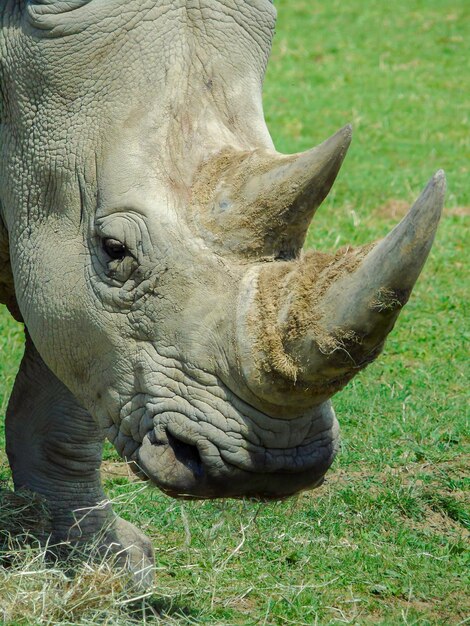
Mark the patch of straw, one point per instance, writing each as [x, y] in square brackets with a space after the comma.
[80, 590]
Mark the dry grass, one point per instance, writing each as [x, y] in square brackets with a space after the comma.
[34, 591]
[36, 588]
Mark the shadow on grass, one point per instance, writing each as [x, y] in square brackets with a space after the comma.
[161, 608]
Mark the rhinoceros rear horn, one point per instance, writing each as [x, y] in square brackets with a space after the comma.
[298, 184]
[292, 188]
[269, 199]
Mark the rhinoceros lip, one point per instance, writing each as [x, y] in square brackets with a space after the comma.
[172, 465]
[185, 453]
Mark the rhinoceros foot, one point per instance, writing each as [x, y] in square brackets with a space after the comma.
[132, 550]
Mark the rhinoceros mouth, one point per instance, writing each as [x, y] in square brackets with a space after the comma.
[194, 459]
[188, 470]
[193, 436]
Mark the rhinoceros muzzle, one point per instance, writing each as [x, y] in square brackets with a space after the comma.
[184, 469]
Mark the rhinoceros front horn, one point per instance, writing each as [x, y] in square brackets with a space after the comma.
[359, 308]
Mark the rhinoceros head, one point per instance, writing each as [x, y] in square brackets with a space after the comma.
[158, 258]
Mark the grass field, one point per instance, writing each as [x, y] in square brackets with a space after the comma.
[385, 541]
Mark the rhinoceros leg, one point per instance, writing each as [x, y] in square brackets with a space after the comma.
[54, 448]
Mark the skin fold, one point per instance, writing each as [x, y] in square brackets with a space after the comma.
[151, 242]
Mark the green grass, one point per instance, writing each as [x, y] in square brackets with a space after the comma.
[384, 542]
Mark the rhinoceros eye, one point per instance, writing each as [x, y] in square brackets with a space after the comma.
[114, 249]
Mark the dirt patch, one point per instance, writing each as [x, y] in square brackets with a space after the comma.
[393, 209]
[111, 470]
[458, 211]
[437, 500]
[439, 523]
[446, 609]
[408, 474]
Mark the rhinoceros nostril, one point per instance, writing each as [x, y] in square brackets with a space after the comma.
[187, 454]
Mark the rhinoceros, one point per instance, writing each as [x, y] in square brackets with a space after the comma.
[151, 243]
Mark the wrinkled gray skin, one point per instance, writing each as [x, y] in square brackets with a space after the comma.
[151, 242]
